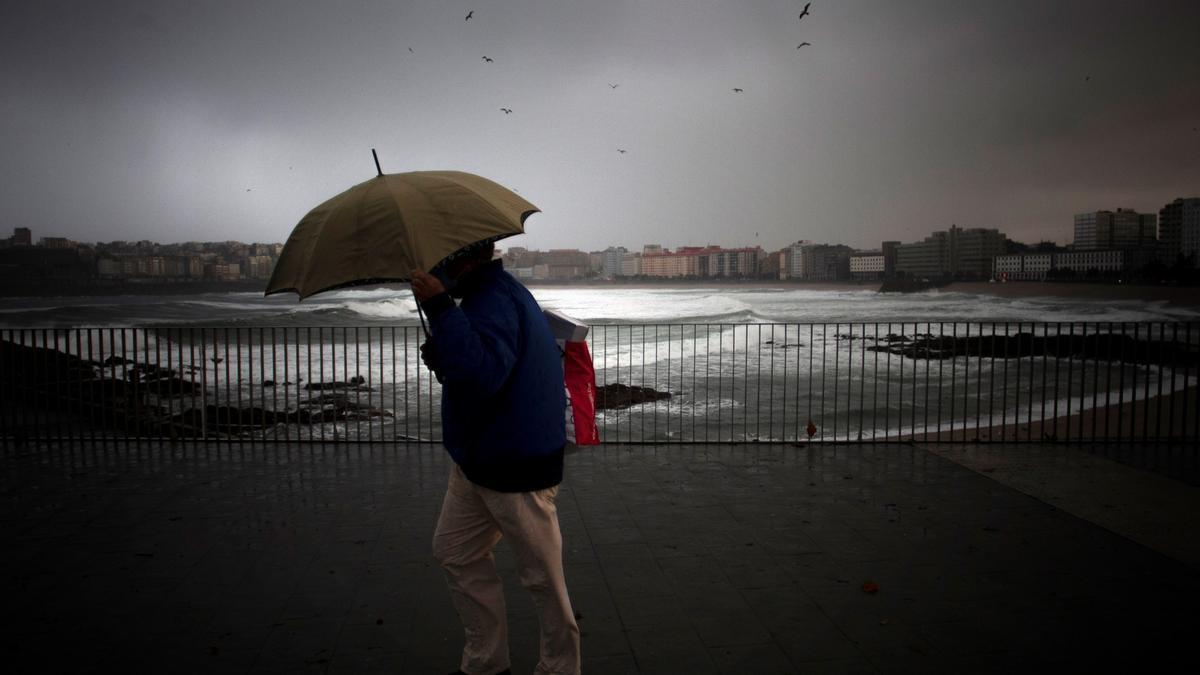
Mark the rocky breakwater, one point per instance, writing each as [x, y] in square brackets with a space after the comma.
[1112, 347]
[143, 399]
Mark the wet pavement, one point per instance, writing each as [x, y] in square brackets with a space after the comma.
[687, 559]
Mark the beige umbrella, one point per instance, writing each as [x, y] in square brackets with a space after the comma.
[381, 229]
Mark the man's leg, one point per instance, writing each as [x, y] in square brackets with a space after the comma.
[462, 543]
[530, 522]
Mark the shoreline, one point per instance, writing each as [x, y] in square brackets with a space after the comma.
[1182, 296]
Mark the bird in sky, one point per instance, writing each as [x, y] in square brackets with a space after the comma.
[247, 189]
[737, 90]
[804, 13]
[1087, 78]
[613, 86]
[488, 59]
[410, 51]
[469, 15]
[621, 151]
[804, 44]
[507, 110]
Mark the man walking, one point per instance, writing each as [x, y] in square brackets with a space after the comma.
[503, 423]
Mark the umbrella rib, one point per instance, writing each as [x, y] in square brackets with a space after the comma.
[403, 229]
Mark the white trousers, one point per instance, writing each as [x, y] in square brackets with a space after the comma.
[472, 521]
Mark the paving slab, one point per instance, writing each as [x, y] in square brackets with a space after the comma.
[299, 557]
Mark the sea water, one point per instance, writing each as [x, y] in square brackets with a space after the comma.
[740, 363]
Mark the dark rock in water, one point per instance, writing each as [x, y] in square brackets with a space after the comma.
[618, 396]
[358, 382]
[270, 383]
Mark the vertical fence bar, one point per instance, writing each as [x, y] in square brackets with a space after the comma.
[1193, 391]
[874, 381]
[837, 362]
[941, 376]
[912, 404]
[811, 377]
[862, 381]
[966, 389]
[245, 426]
[953, 376]
[1097, 340]
[1162, 364]
[395, 408]
[1175, 353]
[1141, 355]
[1004, 385]
[1071, 377]
[51, 387]
[745, 384]
[95, 389]
[1045, 379]
[1017, 386]
[1057, 369]
[824, 368]
[707, 376]
[287, 406]
[1121, 367]
[1110, 339]
[887, 389]
[991, 382]
[771, 383]
[129, 394]
[407, 396]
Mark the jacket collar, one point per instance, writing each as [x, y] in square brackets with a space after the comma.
[471, 282]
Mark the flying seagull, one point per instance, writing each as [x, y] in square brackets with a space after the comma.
[507, 110]
[621, 151]
[410, 51]
[805, 12]
[1087, 78]
[469, 15]
[613, 86]
[804, 44]
[737, 90]
[489, 60]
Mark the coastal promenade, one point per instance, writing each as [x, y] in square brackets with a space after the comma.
[744, 558]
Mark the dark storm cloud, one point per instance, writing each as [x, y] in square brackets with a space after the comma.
[214, 120]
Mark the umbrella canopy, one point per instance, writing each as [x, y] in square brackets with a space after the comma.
[382, 229]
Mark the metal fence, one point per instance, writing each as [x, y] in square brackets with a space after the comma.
[656, 383]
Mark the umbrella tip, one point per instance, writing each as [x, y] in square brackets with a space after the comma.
[377, 169]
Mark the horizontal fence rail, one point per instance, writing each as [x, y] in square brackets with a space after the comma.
[656, 383]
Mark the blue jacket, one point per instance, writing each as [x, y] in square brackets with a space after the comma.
[503, 403]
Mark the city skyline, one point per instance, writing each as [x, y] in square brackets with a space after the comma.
[1071, 236]
[176, 122]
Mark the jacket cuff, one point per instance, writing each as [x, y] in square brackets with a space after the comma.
[437, 304]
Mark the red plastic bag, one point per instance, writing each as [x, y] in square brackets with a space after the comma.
[580, 378]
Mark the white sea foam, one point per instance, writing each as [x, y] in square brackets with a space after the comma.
[712, 305]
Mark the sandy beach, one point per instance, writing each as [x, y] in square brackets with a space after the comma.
[1168, 417]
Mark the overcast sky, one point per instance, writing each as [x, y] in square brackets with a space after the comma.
[214, 120]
